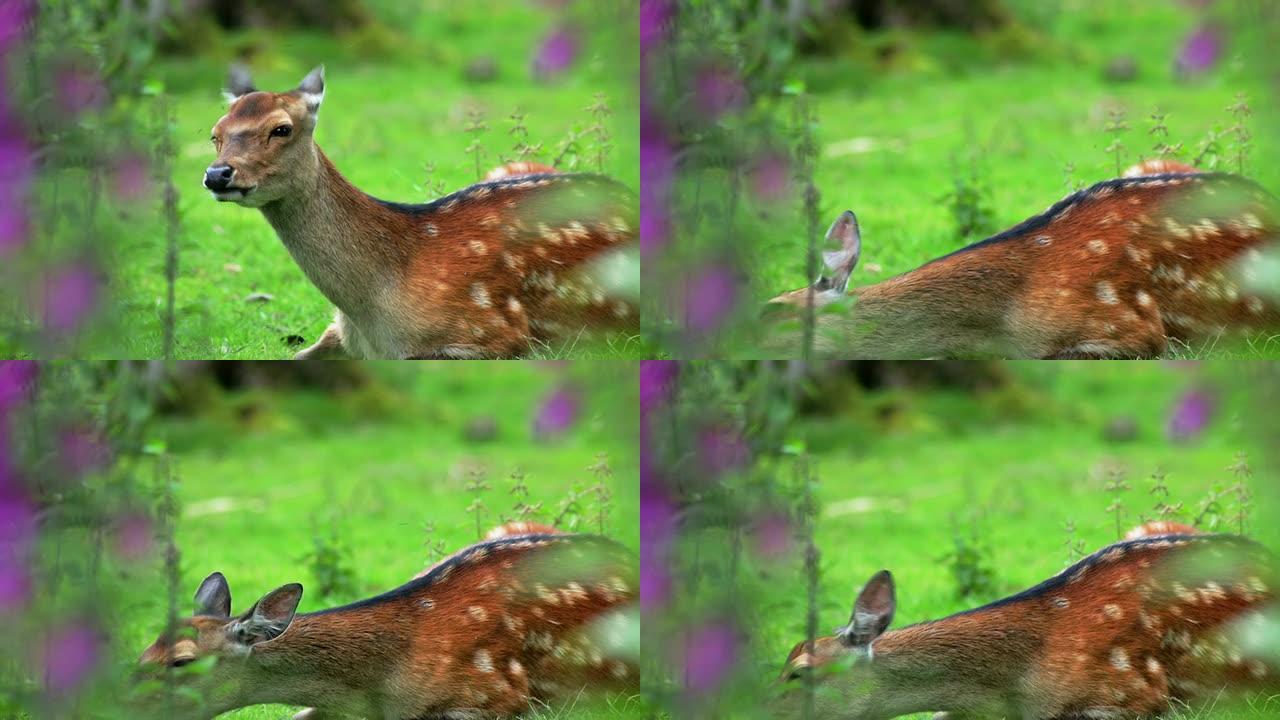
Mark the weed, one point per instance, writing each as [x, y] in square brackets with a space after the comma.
[476, 487]
[1116, 486]
[329, 562]
[1117, 126]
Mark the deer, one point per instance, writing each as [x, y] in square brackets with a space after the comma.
[519, 167]
[490, 271]
[497, 626]
[1158, 166]
[1124, 633]
[1126, 268]
[1160, 527]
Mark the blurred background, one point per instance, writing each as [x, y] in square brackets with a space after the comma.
[110, 246]
[769, 489]
[939, 122]
[121, 483]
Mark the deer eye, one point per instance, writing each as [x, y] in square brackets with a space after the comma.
[282, 131]
[798, 673]
[183, 661]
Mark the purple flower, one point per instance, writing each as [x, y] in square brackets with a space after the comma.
[1201, 50]
[772, 534]
[17, 530]
[79, 90]
[558, 412]
[1191, 414]
[721, 450]
[133, 534]
[655, 16]
[712, 294]
[556, 53]
[657, 530]
[710, 652]
[82, 451]
[14, 16]
[71, 653]
[771, 176]
[657, 168]
[69, 295]
[718, 90]
[16, 379]
[131, 176]
[15, 184]
[657, 378]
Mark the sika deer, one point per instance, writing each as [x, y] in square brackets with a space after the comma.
[485, 272]
[498, 625]
[1121, 634]
[1114, 271]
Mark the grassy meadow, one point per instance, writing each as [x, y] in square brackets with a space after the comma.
[902, 116]
[902, 474]
[268, 479]
[397, 104]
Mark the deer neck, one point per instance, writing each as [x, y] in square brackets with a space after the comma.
[345, 242]
[332, 660]
[966, 664]
[945, 311]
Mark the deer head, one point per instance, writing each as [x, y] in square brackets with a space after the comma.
[232, 677]
[265, 141]
[847, 681]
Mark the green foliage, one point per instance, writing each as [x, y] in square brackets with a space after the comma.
[329, 563]
[970, 558]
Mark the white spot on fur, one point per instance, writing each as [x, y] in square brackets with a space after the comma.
[430, 229]
[480, 295]
[1112, 611]
[1106, 293]
[479, 247]
[478, 613]
[514, 667]
[1119, 659]
[483, 662]
[1097, 247]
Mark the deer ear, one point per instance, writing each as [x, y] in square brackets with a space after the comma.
[214, 597]
[272, 614]
[239, 83]
[312, 89]
[840, 252]
[872, 611]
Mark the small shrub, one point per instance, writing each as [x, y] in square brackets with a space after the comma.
[330, 564]
[970, 562]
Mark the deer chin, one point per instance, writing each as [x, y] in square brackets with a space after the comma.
[235, 195]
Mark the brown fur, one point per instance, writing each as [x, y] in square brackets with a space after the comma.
[512, 169]
[487, 272]
[502, 624]
[1118, 270]
[1123, 634]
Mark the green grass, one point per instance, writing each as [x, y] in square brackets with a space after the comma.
[394, 102]
[1021, 463]
[889, 135]
[261, 471]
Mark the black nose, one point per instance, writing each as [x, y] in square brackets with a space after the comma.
[218, 177]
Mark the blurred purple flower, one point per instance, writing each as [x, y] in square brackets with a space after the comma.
[70, 293]
[718, 90]
[657, 529]
[16, 378]
[1201, 50]
[710, 652]
[71, 653]
[722, 449]
[558, 412]
[712, 294]
[655, 15]
[657, 166]
[772, 533]
[131, 176]
[556, 53]
[657, 378]
[1191, 415]
[17, 530]
[14, 16]
[771, 176]
[18, 160]
[82, 451]
[133, 534]
[79, 90]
